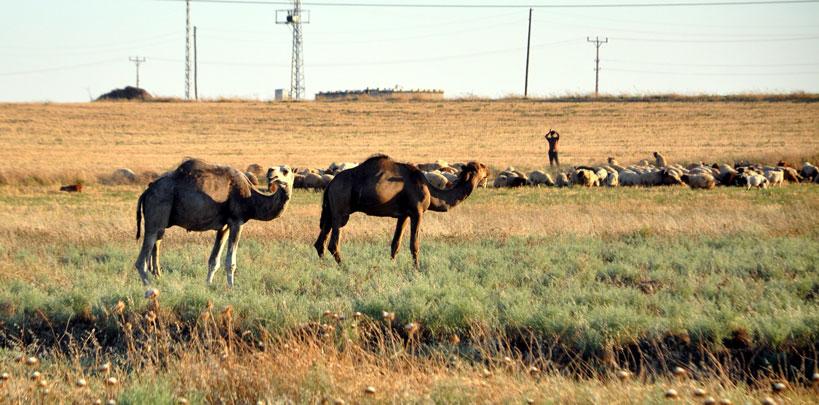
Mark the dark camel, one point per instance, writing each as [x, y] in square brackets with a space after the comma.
[198, 196]
[382, 187]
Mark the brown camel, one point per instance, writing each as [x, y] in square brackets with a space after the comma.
[198, 196]
[382, 187]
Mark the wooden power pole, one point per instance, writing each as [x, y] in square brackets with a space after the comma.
[597, 44]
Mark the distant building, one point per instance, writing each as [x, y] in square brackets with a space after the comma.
[380, 94]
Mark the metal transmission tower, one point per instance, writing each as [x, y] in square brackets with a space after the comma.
[597, 44]
[187, 49]
[137, 61]
[295, 17]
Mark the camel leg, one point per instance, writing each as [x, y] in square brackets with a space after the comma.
[415, 228]
[335, 238]
[216, 253]
[233, 246]
[322, 239]
[144, 255]
[156, 269]
[396, 239]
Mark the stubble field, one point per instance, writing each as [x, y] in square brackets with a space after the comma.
[550, 292]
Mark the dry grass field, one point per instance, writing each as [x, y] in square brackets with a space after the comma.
[577, 283]
[85, 140]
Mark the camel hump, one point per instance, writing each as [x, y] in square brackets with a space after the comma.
[209, 178]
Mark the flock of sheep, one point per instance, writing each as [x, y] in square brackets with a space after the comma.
[660, 173]
[657, 172]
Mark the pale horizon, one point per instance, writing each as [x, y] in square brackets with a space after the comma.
[73, 52]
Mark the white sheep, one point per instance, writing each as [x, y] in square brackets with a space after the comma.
[629, 178]
[436, 179]
[540, 178]
[775, 177]
[613, 179]
[756, 180]
[701, 180]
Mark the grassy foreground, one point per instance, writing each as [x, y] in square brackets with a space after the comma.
[572, 282]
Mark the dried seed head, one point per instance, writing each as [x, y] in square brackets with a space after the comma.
[369, 390]
[328, 314]
[228, 312]
[181, 401]
[35, 376]
[97, 402]
[42, 383]
[81, 383]
[530, 401]
[679, 372]
[709, 401]
[4, 377]
[815, 377]
[768, 401]
[671, 393]
[358, 315]
[388, 316]
[623, 374]
[341, 317]
[110, 402]
[32, 361]
[119, 308]
[152, 294]
[508, 360]
[20, 358]
[725, 401]
[454, 339]
[779, 387]
[150, 316]
[533, 370]
[111, 381]
[46, 391]
[338, 401]
[699, 392]
[105, 367]
[486, 373]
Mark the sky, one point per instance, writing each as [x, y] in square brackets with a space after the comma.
[72, 51]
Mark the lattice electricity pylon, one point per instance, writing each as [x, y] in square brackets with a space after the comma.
[295, 17]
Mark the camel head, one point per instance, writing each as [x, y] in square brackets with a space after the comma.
[474, 170]
[281, 176]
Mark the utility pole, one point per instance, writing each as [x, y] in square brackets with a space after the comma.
[137, 61]
[187, 49]
[528, 44]
[597, 44]
[295, 17]
[195, 67]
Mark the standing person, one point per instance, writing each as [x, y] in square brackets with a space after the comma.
[552, 136]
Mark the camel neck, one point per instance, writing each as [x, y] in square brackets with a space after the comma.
[444, 200]
[266, 207]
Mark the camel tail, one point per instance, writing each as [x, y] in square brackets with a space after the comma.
[139, 215]
[324, 222]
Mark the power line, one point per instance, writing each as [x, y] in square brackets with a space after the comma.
[716, 41]
[740, 65]
[56, 68]
[475, 6]
[711, 74]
